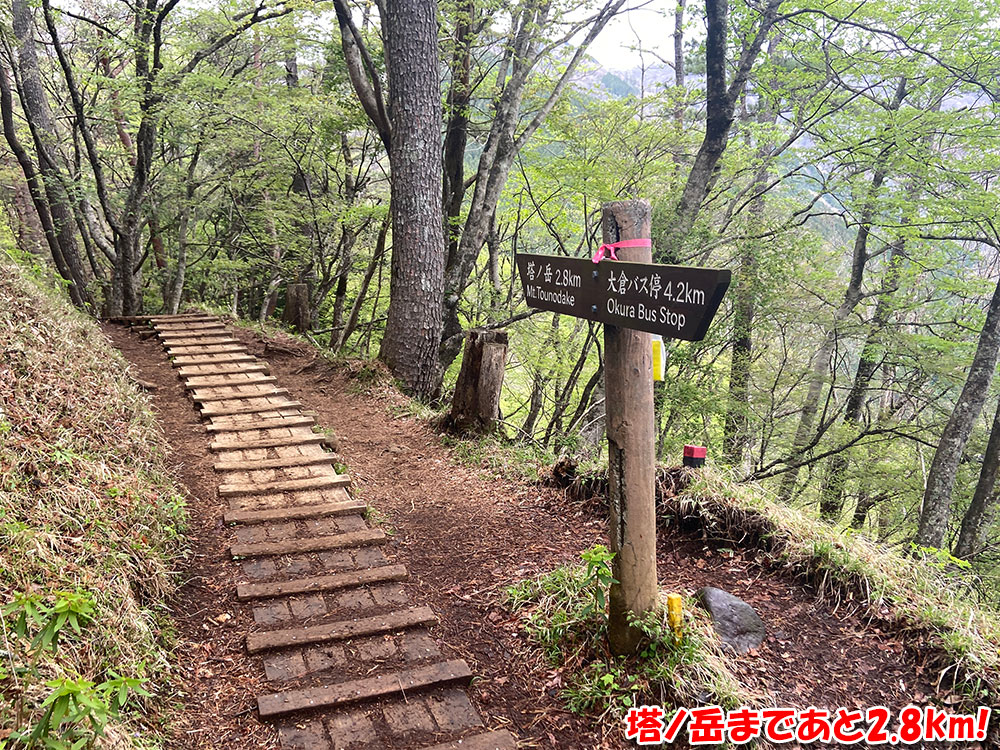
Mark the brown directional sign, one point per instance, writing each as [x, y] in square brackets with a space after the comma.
[676, 302]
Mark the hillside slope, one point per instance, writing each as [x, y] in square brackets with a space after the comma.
[90, 526]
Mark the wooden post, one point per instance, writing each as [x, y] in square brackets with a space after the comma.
[297, 307]
[475, 406]
[631, 453]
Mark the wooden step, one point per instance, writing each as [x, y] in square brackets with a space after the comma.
[189, 351]
[210, 381]
[316, 438]
[342, 631]
[204, 330]
[192, 329]
[217, 359]
[276, 463]
[173, 342]
[295, 512]
[498, 740]
[298, 420]
[232, 411]
[315, 584]
[203, 398]
[394, 683]
[233, 489]
[365, 538]
[247, 365]
[331, 582]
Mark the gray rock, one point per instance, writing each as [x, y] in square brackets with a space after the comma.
[736, 622]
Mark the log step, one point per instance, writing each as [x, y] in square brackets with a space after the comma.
[498, 740]
[332, 582]
[209, 381]
[234, 489]
[172, 342]
[342, 631]
[295, 512]
[316, 438]
[330, 696]
[179, 317]
[365, 538]
[218, 359]
[192, 329]
[224, 368]
[276, 463]
[263, 424]
[203, 398]
[188, 351]
[232, 411]
[206, 330]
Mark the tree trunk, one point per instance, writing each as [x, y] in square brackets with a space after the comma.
[43, 129]
[413, 327]
[977, 519]
[679, 82]
[720, 105]
[34, 181]
[339, 338]
[852, 296]
[631, 455]
[936, 508]
[296, 312]
[831, 502]
[475, 407]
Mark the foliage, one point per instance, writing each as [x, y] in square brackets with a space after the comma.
[560, 613]
[91, 527]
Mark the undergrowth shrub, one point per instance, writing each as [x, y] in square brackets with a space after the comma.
[91, 525]
[564, 613]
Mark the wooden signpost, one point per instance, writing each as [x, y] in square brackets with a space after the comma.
[633, 297]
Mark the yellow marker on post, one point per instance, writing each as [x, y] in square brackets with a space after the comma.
[675, 615]
[659, 358]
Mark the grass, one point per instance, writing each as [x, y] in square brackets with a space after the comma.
[919, 594]
[91, 527]
[563, 612]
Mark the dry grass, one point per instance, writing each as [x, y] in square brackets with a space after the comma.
[86, 502]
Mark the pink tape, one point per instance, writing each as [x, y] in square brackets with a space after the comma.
[609, 250]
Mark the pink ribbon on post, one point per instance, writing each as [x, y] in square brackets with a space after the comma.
[609, 250]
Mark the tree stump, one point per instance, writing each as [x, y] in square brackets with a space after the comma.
[297, 307]
[475, 406]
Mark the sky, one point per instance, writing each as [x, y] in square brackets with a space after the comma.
[651, 25]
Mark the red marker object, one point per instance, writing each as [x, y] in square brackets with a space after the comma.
[694, 456]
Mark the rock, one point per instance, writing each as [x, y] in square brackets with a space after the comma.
[736, 622]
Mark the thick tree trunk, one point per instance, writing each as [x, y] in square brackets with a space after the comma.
[976, 521]
[936, 511]
[631, 454]
[475, 407]
[413, 328]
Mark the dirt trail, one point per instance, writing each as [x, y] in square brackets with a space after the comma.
[465, 534]
[492, 531]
